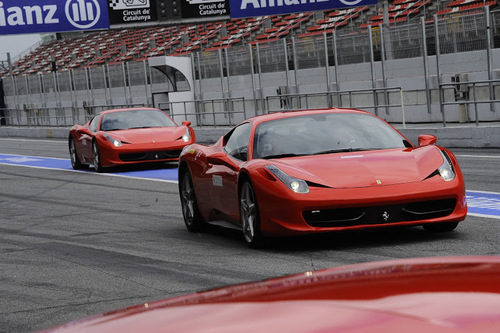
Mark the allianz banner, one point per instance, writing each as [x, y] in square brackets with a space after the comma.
[249, 8]
[35, 16]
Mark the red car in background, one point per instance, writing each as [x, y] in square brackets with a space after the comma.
[442, 294]
[298, 172]
[128, 136]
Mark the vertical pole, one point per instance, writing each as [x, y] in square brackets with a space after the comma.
[252, 75]
[42, 92]
[103, 67]
[287, 68]
[73, 97]
[402, 107]
[199, 74]
[28, 96]
[295, 65]
[221, 72]
[384, 77]
[89, 85]
[145, 69]
[426, 66]
[259, 67]
[488, 56]
[325, 43]
[131, 98]
[335, 58]
[438, 52]
[227, 71]
[124, 80]
[372, 68]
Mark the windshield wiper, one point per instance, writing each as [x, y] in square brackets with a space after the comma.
[282, 155]
[139, 127]
[343, 150]
[113, 129]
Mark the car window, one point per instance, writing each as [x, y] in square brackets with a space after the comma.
[237, 143]
[94, 124]
[121, 120]
[323, 133]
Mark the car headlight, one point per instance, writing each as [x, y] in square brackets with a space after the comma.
[186, 137]
[446, 169]
[294, 184]
[115, 142]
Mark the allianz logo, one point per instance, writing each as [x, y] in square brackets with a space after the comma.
[81, 14]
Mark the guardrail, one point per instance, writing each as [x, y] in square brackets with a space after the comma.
[464, 90]
[341, 98]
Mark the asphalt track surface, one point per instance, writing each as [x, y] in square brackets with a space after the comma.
[74, 244]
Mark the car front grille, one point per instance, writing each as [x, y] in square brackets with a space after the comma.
[150, 155]
[344, 217]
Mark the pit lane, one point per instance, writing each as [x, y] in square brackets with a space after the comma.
[80, 243]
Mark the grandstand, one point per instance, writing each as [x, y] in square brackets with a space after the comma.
[81, 50]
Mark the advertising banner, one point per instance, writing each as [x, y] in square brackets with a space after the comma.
[132, 11]
[204, 8]
[249, 8]
[36, 16]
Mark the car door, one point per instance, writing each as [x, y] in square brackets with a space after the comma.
[224, 173]
[85, 136]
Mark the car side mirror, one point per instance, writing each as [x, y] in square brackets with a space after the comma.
[426, 140]
[84, 131]
[221, 158]
[186, 123]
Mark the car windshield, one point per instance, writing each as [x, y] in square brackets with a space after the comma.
[324, 133]
[122, 120]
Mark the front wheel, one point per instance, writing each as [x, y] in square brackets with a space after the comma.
[73, 154]
[97, 157]
[249, 214]
[441, 227]
[192, 216]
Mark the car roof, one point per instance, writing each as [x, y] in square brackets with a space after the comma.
[289, 114]
[129, 109]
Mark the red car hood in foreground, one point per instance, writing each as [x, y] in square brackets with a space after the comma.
[389, 167]
[458, 294]
[146, 135]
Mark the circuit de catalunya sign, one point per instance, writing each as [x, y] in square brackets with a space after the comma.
[249, 8]
[35, 16]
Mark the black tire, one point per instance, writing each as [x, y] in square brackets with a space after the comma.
[192, 217]
[73, 154]
[97, 157]
[250, 216]
[440, 227]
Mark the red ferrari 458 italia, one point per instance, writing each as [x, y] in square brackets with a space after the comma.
[317, 171]
[455, 294]
[127, 136]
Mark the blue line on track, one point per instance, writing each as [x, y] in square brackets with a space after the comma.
[483, 204]
[168, 174]
[479, 203]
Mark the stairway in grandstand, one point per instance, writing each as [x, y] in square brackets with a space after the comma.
[80, 50]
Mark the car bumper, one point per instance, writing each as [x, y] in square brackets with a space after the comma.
[284, 212]
[140, 153]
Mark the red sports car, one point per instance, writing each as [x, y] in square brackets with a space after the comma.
[317, 171]
[456, 294]
[127, 136]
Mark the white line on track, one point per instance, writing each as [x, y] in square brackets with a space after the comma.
[36, 140]
[55, 158]
[484, 215]
[95, 173]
